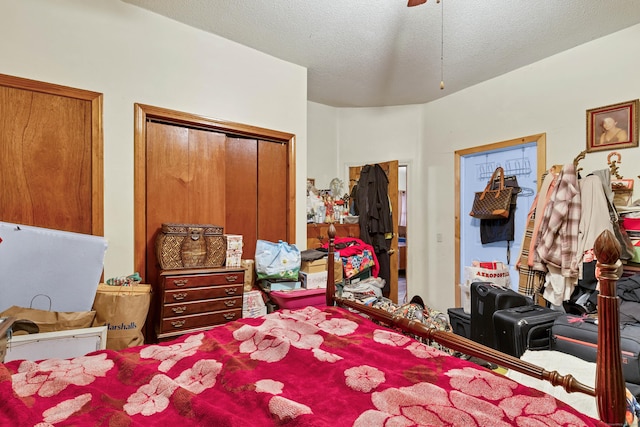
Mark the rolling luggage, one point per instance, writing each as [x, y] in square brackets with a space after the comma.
[460, 322]
[525, 327]
[578, 336]
[487, 298]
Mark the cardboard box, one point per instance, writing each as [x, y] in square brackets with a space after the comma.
[314, 266]
[320, 265]
[234, 242]
[314, 280]
[233, 258]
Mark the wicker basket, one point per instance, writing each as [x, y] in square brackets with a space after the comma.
[190, 246]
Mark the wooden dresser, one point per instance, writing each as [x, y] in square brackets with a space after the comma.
[317, 234]
[198, 299]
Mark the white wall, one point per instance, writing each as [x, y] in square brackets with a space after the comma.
[134, 56]
[550, 97]
[322, 152]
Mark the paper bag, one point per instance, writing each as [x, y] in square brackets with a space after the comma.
[124, 310]
[249, 274]
[499, 275]
[51, 321]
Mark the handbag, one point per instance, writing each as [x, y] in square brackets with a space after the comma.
[492, 204]
[277, 260]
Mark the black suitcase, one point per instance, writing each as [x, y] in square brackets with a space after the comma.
[578, 336]
[460, 322]
[487, 298]
[521, 328]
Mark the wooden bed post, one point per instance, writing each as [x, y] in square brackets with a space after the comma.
[610, 386]
[331, 281]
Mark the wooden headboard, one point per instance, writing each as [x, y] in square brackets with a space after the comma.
[609, 387]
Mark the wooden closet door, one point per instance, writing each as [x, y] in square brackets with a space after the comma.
[46, 160]
[272, 191]
[242, 191]
[256, 191]
[185, 181]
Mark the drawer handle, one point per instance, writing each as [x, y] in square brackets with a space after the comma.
[229, 316]
[230, 291]
[230, 303]
[178, 323]
[231, 278]
[180, 296]
[181, 283]
[179, 310]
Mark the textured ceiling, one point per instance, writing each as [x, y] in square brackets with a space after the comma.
[371, 53]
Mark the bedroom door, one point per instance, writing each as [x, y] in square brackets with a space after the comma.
[50, 156]
[391, 169]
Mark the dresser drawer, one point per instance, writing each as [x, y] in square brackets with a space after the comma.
[184, 323]
[195, 281]
[186, 308]
[195, 294]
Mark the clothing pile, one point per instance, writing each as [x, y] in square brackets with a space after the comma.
[366, 291]
[416, 310]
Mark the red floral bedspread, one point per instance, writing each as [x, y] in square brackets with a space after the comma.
[308, 367]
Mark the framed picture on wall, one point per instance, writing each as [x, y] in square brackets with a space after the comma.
[612, 126]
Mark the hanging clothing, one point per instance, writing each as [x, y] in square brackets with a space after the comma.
[542, 201]
[530, 281]
[559, 226]
[375, 216]
[554, 241]
[373, 207]
[594, 218]
[502, 229]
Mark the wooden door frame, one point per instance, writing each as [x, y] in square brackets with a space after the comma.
[97, 143]
[541, 160]
[144, 112]
[393, 195]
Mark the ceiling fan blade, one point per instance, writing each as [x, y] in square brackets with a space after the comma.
[415, 2]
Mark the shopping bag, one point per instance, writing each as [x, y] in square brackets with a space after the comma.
[498, 274]
[277, 260]
[123, 309]
[51, 321]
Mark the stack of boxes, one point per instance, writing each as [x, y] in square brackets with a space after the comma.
[313, 274]
[234, 250]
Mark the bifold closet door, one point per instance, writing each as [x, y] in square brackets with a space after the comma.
[185, 178]
[272, 191]
[242, 192]
[256, 193]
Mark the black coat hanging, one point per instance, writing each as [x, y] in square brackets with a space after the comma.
[503, 229]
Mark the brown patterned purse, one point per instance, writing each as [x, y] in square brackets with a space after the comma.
[492, 204]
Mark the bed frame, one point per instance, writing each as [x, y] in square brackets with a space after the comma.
[609, 389]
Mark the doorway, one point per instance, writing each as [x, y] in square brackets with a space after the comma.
[524, 158]
[390, 169]
[402, 234]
